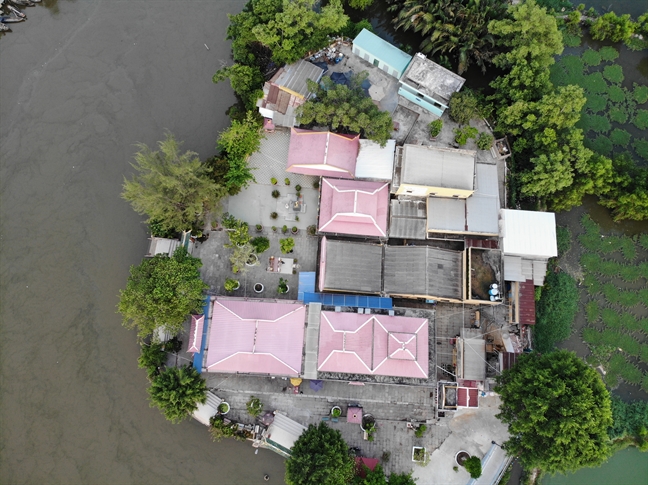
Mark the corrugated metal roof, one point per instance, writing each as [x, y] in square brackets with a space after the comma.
[473, 355]
[507, 360]
[407, 219]
[294, 76]
[349, 266]
[195, 333]
[527, 268]
[539, 272]
[283, 100]
[527, 303]
[284, 431]
[373, 344]
[383, 50]
[446, 215]
[204, 412]
[438, 167]
[375, 162]
[273, 94]
[529, 233]
[482, 214]
[513, 269]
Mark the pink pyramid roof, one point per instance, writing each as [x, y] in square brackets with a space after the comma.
[195, 333]
[322, 153]
[353, 343]
[256, 337]
[354, 207]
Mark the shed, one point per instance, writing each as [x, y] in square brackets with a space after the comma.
[162, 245]
[407, 219]
[282, 434]
[350, 267]
[204, 412]
[353, 207]
[433, 171]
[322, 153]
[381, 53]
[528, 234]
[471, 355]
[375, 162]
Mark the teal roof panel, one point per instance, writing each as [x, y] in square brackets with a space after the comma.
[383, 50]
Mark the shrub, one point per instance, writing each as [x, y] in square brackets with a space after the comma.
[286, 245]
[273, 181]
[420, 431]
[276, 194]
[311, 230]
[260, 244]
[273, 215]
[298, 188]
[591, 57]
[608, 53]
[287, 181]
[555, 311]
[485, 141]
[601, 144]
[639, 93]
[151, 358]
[435, 127]
[563, 239]
[463, 107]
[316, 184]
[462, 135]
[473, 466]
[616, 93]
[231, 284]
[613, 73]
[571, 40]
[254, 406]
[599, 124]
[592, 311]
[573, 65]
[620, 137]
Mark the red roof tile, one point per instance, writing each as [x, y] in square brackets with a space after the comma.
[527, 303]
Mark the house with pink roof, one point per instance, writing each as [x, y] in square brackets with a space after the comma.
[255, 337]
[322, 153]
[354, 207]
[353, 343]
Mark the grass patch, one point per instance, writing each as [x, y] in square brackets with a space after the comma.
[618, 115]
[616, 93]
[608, 53]
[594, 83]
[613, 73]
[640, 119]
[641, 147]
[639, 93]
[555, 311]
[596, 103]
[620, 137]
[601, 144]
[591, 57]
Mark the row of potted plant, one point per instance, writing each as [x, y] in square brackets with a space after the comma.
[298, 187]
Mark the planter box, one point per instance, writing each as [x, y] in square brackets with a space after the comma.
[414, 450]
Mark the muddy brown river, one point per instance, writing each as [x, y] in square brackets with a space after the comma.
[80, 83]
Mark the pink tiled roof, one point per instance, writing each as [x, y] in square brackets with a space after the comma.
[322, 153]
[354, 343]
[195, 333]
[256, 337]
[354, 207]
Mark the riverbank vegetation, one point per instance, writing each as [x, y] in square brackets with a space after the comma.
[177, 391]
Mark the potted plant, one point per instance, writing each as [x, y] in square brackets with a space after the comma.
[242, 256]
[316, 184]
[367, 421]
[254, 406]
[258, 288]
[223, 408]
[286, 245]
[259, 227]
[283, 287]
[284, 229]
[273, 181]
[276, 194]
[298, 188]
[418, 454]
[238, 235]
[260, 244]
[461, 457]
[435, 128]
[273, 215]
[287, 181]
[274, 228]
[232, 284]
[473, 466]
[485, 141]
[336, 411]
[296, 218]
[420, 431]
[252, 260]
[311, 230]
[294, 230]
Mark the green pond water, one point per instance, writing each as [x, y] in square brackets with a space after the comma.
[627, 467]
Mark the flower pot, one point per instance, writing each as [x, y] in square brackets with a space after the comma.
[336, 411]
[258, 288]
[294, 231]
[418, 454]
[461, 457]
[367, 421]
[224, 411]
[253, 260]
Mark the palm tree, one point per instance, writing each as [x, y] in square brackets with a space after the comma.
[455, 27]
[177, 392]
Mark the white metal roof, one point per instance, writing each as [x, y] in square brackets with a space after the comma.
[438, 167]
[375, 162]
[528, 233]
[284, 431]
[205, 411]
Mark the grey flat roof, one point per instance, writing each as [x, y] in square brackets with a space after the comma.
[407, 219]
[438, 167]
[375, 162]
[423, 270]
[353, 267]
[295, 75]
[432, 79]
[446, 214]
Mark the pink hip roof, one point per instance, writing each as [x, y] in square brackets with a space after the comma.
[322, 153]
[195, 333]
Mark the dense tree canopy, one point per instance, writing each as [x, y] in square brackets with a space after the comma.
[161, 292]
[177, 392]
[320, 457]
[172, 189]
[555, 311]
[458, 28]
[346, 109]
[246, 81]
[558, 412]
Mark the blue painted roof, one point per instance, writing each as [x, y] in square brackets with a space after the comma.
[383, 50]
[360, 301]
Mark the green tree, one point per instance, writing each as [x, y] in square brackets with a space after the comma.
[463, 107]
[236, 144]
[372, 477]
[612, 27]
[246, 81]
[532, 39]
[320, 457]
[177, 392]
[346, 109]
[161, 292]
[246, 49]
[360, 4]
[151, 358]
[555, 311]
[297, 28]
[401, 479]
[174, 190]
[473, 466]
[453, 27]
[557, 410]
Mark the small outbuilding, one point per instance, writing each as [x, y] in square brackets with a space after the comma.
[350, 267]
[375, 162]
[381, 53]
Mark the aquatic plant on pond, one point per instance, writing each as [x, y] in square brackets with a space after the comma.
[620, 137]
[640, 119]
[591, 57]
[601, 144]
[596, 103]
[613, 73]
[639, 93]
[599, 124]
[608, 53]
[618, 115]
[594, 83]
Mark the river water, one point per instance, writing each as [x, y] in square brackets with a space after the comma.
[82, 82]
